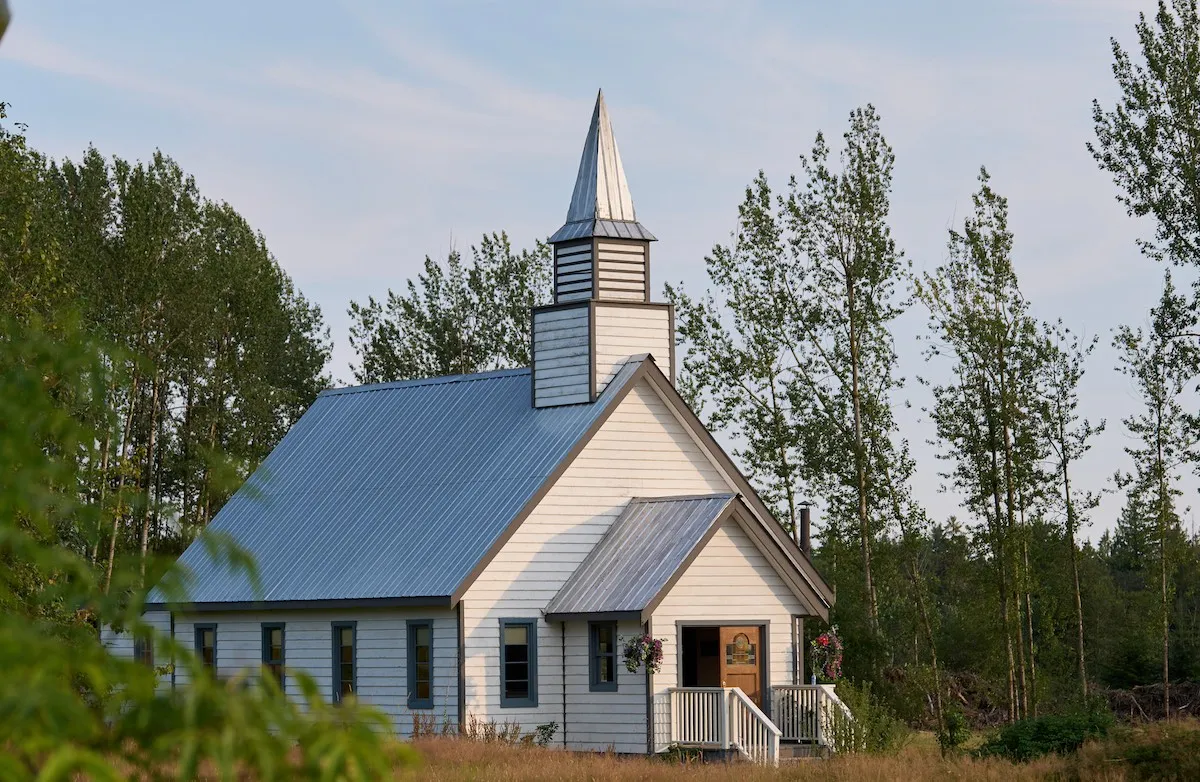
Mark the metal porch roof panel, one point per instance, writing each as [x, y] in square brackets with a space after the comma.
[394, 490]
[647, 544]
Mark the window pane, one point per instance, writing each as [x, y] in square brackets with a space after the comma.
[604, 639]
[516, 689]
[423, 636]
[347, 636]
[606, 669]
[516, 635]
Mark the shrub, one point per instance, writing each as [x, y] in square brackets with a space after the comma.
[1032, 738]
[872, 727]
[1165, 751]
[954, 733]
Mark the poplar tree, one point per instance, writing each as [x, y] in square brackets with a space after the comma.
[1160, 367]
[1069, 437]
[1150, 140]
[793, 351]
[454, 318]
[980, 320]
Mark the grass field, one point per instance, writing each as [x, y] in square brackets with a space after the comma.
[453, 760]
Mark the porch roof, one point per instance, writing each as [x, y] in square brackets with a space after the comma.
[641, 555]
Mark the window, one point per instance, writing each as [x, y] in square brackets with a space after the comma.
[272, 650]
[143, 651]
[420, 664]
[343, 660]
[206, 645]
[518, 662]
[602, 656]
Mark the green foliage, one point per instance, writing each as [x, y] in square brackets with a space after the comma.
[66, 705]
[207, 351]
[954, 732]
[872, 728]
[454, 319]
[544, 734]
[1148, 140]
[1169, 752]
[1032, 738]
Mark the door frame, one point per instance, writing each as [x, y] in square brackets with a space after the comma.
[764, 630]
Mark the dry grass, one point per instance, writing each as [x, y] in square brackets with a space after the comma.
[452, 760]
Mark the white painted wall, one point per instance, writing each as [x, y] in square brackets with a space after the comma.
[729, 582]
[640, 451]
[561, 369]
[121, 644]
[627, 330]
[602, 720]
[382, 651]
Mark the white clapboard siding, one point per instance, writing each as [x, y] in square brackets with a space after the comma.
[381, 653]
[573, 272]
[600, 720]
[121, 644]
[640, 451]
[729, 582]
[624, 331]
[561, 369]
[621, 271]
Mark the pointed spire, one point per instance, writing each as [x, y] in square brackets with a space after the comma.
[601, 198]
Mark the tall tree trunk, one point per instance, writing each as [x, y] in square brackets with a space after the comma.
[126, 439]
[102, 489]
[999, 550]
[1164, 499]
[1071, 522]
[102, 492]
[1007, 417]
[150, 471]
[1029, 611]
[860, 458]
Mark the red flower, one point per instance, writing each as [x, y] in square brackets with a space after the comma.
[823, 640]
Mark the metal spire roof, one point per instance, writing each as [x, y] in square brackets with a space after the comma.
[601, 204]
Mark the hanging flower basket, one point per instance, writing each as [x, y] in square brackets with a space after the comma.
[826, 656]
[643, 650]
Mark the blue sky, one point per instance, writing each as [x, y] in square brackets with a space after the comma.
[362, 136]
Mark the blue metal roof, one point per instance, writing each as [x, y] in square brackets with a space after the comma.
[394, 490]
[642, 550]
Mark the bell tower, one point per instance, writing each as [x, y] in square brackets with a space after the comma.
[602, 313]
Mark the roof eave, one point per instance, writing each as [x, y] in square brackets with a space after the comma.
[212, 606]
[594, 616]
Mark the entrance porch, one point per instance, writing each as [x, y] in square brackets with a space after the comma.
[726, 702]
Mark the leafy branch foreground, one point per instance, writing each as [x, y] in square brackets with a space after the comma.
[67, 706]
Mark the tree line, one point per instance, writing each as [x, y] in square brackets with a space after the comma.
[209, 351]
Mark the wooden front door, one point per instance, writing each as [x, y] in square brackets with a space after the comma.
[741, 660]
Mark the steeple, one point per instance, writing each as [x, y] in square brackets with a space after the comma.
[601, 204]
[602, 314]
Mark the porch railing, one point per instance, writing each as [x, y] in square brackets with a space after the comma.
[722, 718]
[809, 713]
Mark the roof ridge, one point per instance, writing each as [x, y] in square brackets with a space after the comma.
[425, 381]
